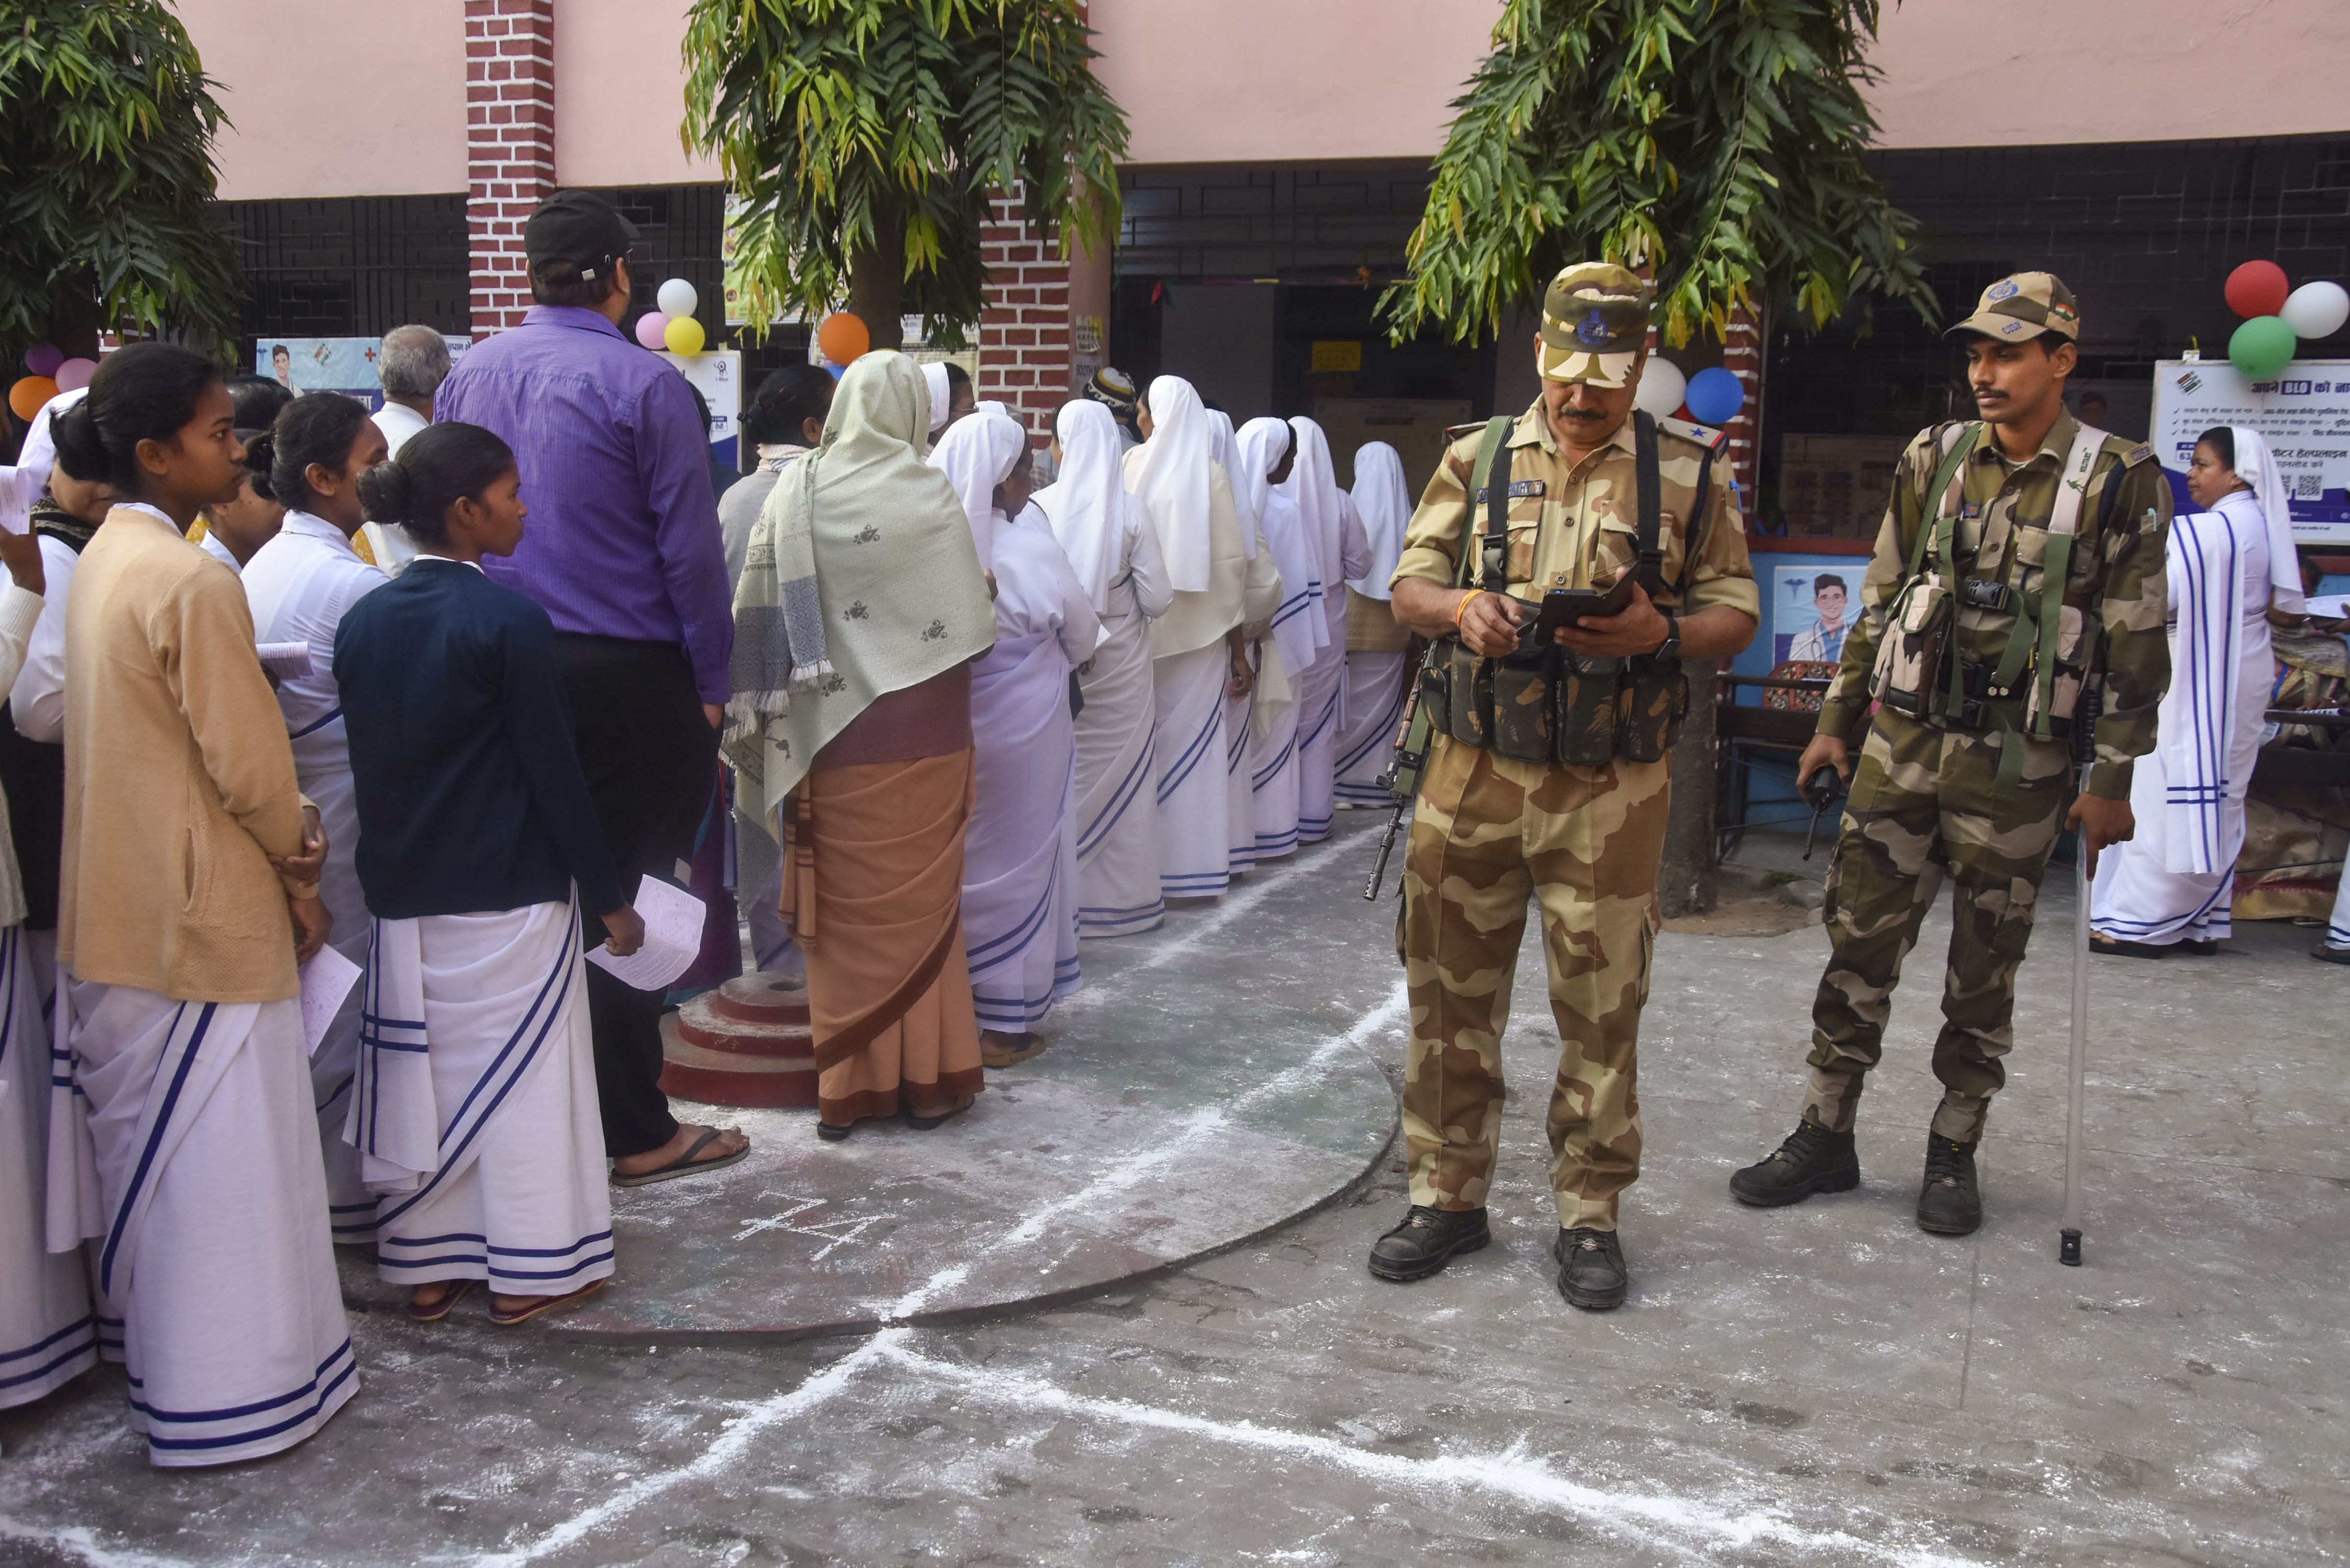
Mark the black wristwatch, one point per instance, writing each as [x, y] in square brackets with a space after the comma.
[1672, 647]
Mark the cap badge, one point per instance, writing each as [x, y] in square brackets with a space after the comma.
[2004, 289]
[1593, 328]
[2012, 327]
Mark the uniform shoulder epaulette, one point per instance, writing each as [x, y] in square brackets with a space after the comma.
[1705, 436]
[2142, 453]
[1454, 432]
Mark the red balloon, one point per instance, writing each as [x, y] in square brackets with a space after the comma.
[2257, 288]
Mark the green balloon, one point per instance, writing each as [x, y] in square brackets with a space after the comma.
[2262, 347]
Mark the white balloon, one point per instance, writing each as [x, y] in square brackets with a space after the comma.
[677, 297]
[2316, 309]
[1662, 388]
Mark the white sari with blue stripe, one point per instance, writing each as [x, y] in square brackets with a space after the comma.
[183, 1143]
[2175, 880]
[475, 1110]
[49, 1326]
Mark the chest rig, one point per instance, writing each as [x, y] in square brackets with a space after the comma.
[2033, 687]
[1543, 704]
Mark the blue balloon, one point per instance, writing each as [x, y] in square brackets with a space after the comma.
[833, 370]
[1715, 395]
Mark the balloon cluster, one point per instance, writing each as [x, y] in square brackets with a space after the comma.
[1712, 397]
[672, 327]
[841, 337]
[52, 373]
[2277, 316]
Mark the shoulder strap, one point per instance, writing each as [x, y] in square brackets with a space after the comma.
[1942, 492]
[1694, 531]
[1493, 449]
[1652, 501]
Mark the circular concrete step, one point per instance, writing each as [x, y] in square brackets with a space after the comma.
[744, 1045]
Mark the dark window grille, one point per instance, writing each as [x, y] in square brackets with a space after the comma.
[353, 266]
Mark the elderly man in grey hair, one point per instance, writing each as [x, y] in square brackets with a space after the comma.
[415, 362]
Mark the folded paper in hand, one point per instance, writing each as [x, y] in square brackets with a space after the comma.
[327, 979]
[286, 660]
[672, 918]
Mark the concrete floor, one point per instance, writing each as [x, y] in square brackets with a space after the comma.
[1821, 1384]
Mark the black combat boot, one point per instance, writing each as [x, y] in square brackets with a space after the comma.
[1812, 1160]
[1427, 1240]
[1591, 1272]
[1949, 1203]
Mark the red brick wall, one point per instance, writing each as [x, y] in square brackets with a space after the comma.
[510, 146]
[1024, 334]
[1741, 355]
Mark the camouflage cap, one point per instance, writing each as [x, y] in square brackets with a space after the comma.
[1595, 322]
[2020, 307]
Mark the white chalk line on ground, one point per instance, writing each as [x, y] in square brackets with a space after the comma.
[79, 1541]
[1514, 1473]
[824, 1386]
[1229, 907]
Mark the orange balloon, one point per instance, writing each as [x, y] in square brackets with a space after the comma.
[25, 398]
[841, 337]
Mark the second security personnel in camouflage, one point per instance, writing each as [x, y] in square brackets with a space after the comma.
[2000, 520]
[1584, 842]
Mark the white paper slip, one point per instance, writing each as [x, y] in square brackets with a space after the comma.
[325, 980]
[673, 920]
[286, 660]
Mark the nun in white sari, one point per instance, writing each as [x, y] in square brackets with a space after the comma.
[1376, 642]
[1219, 583]
[2173, 884]
[1114, 553]
[1020, 856]
[1341, 551]
[1250, 705]
[1291, 643]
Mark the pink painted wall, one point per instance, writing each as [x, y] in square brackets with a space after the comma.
[366, 96]
[336, 97]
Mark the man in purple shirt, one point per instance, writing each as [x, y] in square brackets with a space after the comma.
[623, 552]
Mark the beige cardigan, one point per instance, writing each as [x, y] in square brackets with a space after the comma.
[178, 774]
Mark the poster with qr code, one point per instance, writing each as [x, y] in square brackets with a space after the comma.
[2305, 412]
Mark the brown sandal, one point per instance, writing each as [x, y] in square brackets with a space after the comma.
[458, 1291]
[505, 1319]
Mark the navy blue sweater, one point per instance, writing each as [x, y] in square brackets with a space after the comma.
[470, 796]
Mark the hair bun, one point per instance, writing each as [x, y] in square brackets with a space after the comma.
[81, 452]
[387, 494]
[260, 453]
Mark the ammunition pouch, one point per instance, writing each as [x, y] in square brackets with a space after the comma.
[1558, 707]
[1912, 655]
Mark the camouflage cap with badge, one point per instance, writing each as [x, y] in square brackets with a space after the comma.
[1595, 322]
[2020, 307]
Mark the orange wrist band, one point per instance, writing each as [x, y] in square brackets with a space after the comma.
[1459, 609]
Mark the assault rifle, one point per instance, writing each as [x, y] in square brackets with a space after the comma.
[1402, 777]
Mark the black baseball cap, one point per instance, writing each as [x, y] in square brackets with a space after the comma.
[577, 229]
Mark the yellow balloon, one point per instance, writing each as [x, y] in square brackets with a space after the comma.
[683, 336]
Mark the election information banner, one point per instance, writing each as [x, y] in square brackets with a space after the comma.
[2304, 413]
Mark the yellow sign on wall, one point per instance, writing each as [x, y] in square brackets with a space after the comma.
[1337, 359]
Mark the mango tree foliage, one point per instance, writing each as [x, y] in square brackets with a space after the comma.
[1717, 143]
[107, 123]
[863, 138]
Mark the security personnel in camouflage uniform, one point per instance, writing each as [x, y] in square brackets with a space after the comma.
[1973, 787]
[1583, 841]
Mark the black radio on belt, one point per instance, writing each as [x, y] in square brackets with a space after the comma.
[1983, 596]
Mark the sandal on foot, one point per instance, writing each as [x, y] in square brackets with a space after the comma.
[685, 1164]
[924, 1124]
[832, 1132]
[458, 1291]
[505, 1319]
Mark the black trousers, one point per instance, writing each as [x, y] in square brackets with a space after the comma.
[648, 752]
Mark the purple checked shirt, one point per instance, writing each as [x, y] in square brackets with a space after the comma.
[622, 538]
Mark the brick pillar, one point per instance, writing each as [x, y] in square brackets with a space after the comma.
[1024, 333]
[509, 146]
[1741, 355]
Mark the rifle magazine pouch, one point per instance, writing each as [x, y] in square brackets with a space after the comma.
[1651, 701]
[1522, 719]
[1587, 696]
[1435, 690]
[1468, 696]
[2065, 691]
[1908, 673]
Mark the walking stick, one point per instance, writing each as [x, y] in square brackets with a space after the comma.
[2084, 753]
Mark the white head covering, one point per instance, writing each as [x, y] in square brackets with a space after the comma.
[976, 455]
[1172, 478]
[22, 485]
[1226, 446]
[1300, 626]
[1263, 443]
[1384, 503]
[1313, 481]
[2257, 467]
[1087, 506]
[934, 375]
